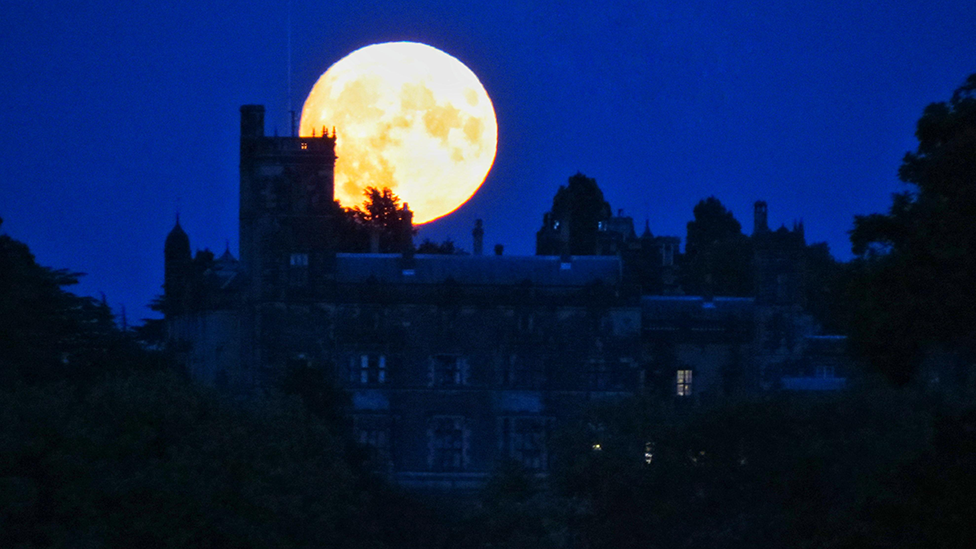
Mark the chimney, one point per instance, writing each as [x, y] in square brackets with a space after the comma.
[499, 248]
[479, 237]
[760, 223]
[252, 121]
[407, 227]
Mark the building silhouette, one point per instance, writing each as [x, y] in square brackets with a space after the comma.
[455, 362]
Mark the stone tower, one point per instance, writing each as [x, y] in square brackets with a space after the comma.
[287, 230]
[287, 207]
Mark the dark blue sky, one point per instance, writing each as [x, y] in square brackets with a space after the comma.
[114, 112]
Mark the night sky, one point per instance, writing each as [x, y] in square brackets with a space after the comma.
[117, 114]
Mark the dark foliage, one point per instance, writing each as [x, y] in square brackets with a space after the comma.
[444, 248]
[580, 203]
[915, 273]
[380, 219]
[718, 256]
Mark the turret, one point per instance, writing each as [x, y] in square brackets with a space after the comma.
[177, 268]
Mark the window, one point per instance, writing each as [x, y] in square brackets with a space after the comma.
[523, 439]
[524, 373]
[374, 432]
[684, 383]
[298, 272]
[447, 370]
[447, 441]
[368, 369]
[304, 146]
[825, 372]
[599, 374]
[667, 255]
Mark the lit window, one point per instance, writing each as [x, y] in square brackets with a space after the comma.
[304, 146]
[684, 383]
[299, 260]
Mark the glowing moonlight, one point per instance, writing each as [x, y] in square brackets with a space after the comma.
[409, 117]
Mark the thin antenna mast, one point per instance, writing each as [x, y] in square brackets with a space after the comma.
[291, 109]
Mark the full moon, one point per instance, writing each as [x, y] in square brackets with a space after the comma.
[409, 117]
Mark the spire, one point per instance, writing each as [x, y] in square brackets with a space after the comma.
[647, 230]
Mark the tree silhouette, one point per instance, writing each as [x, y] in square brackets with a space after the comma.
[382, 214]
[915, 271]
[579, 208]
[718, 257]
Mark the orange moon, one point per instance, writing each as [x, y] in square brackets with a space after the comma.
[409, 117]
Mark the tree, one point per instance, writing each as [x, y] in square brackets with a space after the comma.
[914, 282]
[382, 212]
[578, 207]
[48, 332]
[718, 257]
[380, 216]
[444, 248]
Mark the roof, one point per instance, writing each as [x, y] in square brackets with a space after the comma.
[671, 307]
[477, 269]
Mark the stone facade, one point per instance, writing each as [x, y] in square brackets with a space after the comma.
[455, 362]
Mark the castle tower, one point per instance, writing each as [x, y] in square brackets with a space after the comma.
[287, 234]
[287, 206]
[779, 262]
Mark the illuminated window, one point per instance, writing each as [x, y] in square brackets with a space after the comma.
[304, 146]
[446, 443]
[369, 369]
[684, 383]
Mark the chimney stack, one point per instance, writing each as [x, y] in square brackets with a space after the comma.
[479, 237]
[760, 223]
